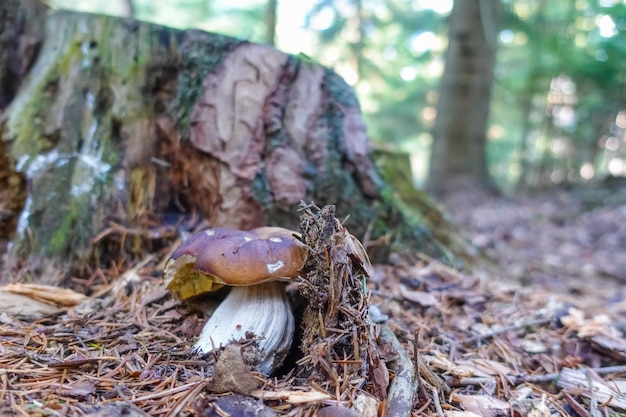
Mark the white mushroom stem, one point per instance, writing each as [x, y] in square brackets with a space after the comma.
[259, 311]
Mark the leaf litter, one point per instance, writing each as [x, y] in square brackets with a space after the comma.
[418, 338]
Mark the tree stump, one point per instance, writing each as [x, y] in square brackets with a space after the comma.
[121, 126]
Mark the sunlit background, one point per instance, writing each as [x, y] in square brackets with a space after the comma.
[558, 110]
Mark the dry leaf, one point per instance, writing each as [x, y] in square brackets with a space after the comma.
[482, 405]
[366, 405]
[598, 324]
[484, 367]
[532, 346]
[425, 299]
[441, 362]
[231, 374]
[540, 408]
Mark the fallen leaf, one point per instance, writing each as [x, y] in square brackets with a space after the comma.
[366, 405]
[532, 346]
[425, 299]
[484, 367]
[231, 374]
[540, 408]
[585, 327]
[482, 405]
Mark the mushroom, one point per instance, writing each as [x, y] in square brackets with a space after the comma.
[252, 262]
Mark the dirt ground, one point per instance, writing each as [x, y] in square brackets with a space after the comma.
[539, 333]
[570, 244]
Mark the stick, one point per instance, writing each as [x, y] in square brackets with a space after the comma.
[520, 379]
[403, 388]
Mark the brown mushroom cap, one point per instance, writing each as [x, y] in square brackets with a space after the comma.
[220, 256]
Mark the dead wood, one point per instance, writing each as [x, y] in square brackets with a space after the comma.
[403, 388]
[124, 130]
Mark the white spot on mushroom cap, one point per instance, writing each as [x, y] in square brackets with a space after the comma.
[247, 238]
[209, 232]
[271, 268]
[276, 239]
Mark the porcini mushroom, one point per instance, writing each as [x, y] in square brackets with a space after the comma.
[252, 262]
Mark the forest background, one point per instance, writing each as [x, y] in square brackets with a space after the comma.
[557, 110]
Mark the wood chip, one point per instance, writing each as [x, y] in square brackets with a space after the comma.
[17, 305]
[46, 293]
[576, 381]
[292, 397]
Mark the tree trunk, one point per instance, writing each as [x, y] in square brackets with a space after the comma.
[270, 21]
[123, 130]
[459, 158]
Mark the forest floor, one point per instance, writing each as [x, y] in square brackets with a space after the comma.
[571, 243]
[539, 333]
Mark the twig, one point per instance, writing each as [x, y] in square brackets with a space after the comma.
[403, 388]
[575, 406]
[520, 379]
[480, 337]
[435, 393]
[593, 402]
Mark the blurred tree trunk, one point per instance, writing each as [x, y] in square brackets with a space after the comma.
[124, 130]
[271, 10]
[536, 83]
[21, 35]
[129, 8]
[21, 32]
[459, 157]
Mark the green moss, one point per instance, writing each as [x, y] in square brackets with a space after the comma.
[61, 235]
[202, 54]
[70, 105]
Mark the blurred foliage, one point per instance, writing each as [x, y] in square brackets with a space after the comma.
[558, 109]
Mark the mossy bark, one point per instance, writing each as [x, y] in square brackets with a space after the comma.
[121, 124]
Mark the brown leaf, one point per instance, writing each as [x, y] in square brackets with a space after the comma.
[231, 374]
[381, 378]
[422, 298]
[485, 367]
[482, 405]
